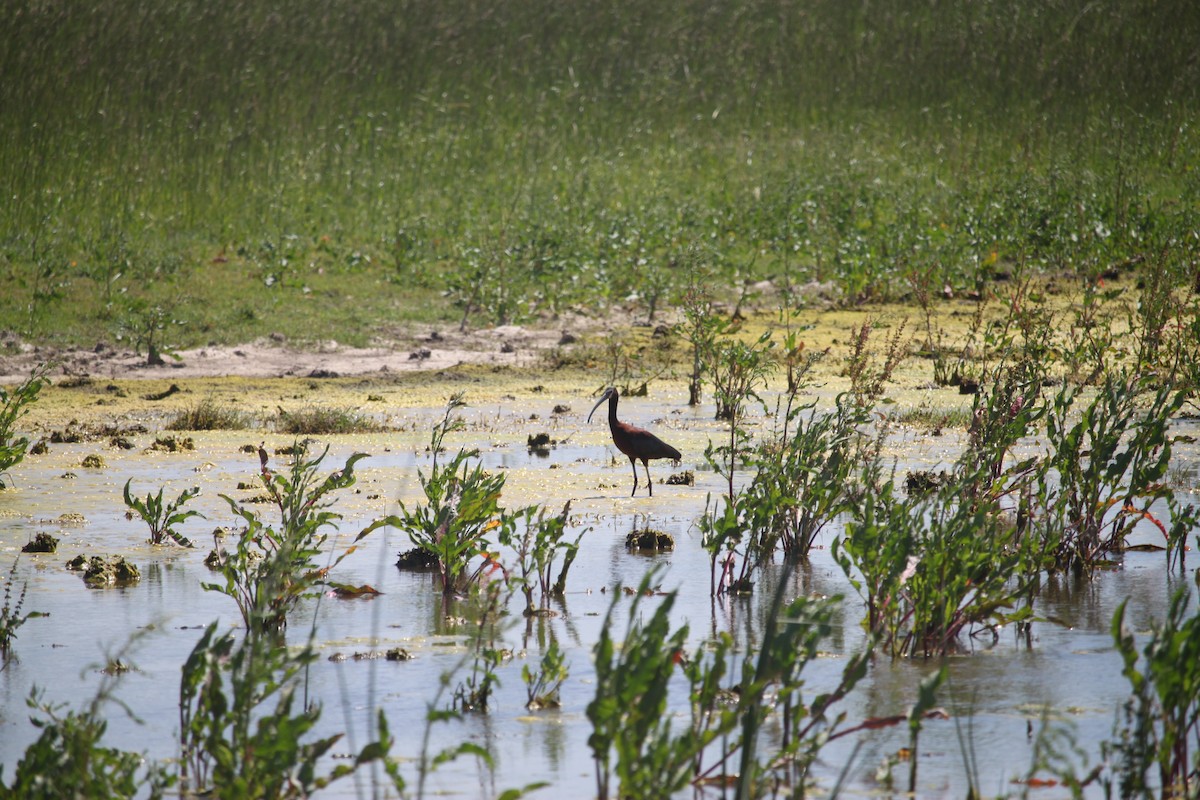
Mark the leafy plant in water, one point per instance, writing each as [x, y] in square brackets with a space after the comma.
[11, 617]
[737, 370]
[463, 505]
[239, 733]
[543, 684]
[1005, 411]
[1089, 345]
[16, 405]
[536, 549]
[867, 374]
[1160, 727]
[474, 692]
[701, 326]
[791, 640]
[1108, 468]
[162, 518]
[628, 714]
[934, 566]
[801, 478]
[69, 758]
[273, 568]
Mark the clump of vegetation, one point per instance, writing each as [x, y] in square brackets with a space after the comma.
[543, 684]
[1105, 469]
[99, 571]
[536, 550]
[162, 517]
[1159, 725]
[42, 542]
[648, 539]
[273, 567]
[172, 444]
[15, 404]
[462, 506]
[70, 759]
[240, 730]
[321, 421]
[209, 415]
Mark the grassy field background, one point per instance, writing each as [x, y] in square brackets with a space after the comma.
[210, 172]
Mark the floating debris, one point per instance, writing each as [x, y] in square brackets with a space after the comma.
[70, 518]
[347, 591]
[93, 461]
[163, 395]
[394, 654]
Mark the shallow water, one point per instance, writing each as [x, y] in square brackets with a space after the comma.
[996, 695]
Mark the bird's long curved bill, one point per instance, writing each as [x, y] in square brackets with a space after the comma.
[603, 397]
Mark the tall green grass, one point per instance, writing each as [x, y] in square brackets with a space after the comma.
[312, 168]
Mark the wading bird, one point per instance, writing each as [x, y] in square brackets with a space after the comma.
[637, 444]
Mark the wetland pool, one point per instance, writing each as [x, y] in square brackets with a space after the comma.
[997, 695]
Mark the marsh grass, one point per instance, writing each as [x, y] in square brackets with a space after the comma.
[322, 421]
[501, 163]
[210, 415]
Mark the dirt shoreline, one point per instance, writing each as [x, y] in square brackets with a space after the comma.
[431, 350]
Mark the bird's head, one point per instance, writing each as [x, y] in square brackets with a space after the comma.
[609, 392]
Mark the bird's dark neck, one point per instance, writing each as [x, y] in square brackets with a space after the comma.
[612, 409]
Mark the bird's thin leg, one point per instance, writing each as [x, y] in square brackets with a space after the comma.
[649, 482]
[633, 464]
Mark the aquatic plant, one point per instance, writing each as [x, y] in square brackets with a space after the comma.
[700, 327]
[653, 759]
[16, 404]
[462, 505]
[474, 692]
[802, 476]
[737, 370]
[542, 685]
[791, 640]
[934, 566]
[70, 758]
[274, 567]
[239, 733]
[162, 518]
[11, 617]
[536, 549]
[868, 373]
[1105, 469]
[628, 713]
[1159, 725]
